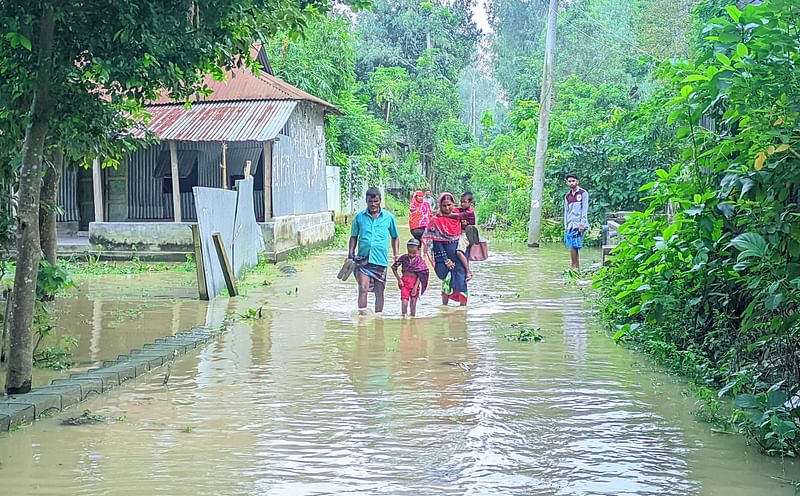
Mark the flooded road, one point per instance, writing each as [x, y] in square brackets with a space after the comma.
[314, 399]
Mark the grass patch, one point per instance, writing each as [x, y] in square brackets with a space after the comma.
[95, 267]
[396, 206]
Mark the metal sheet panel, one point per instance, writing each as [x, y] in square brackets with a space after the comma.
[68, 195]
[298, 167]
[215, 212]
[248, 241]
[146, 197]
[220, 121]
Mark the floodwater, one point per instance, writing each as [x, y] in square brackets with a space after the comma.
[112, 314]
[314, 399]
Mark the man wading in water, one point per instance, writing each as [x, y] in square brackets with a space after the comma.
[576, 212]
[371, 231]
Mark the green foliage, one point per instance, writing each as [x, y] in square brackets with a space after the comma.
[399, 207]
[323, 63]
[57, 357]
[706, 278]
[51, 279]
[397, 34]
[525, 334]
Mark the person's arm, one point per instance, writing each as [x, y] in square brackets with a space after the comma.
[354, 230]
[397, 275]
[584, 211]
[566, 207]
[351, 252]
[395, 238]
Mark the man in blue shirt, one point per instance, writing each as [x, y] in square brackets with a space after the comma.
[371, 231]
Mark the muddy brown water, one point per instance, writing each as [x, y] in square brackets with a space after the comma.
[314, 399]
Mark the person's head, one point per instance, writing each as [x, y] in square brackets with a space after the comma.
[373, 200]
[572, 181]
[467, 200]
[428, 192]
[446, 203]
[413, 247]
[419, 196]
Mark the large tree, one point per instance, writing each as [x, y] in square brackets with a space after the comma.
[398, 32]
[96, 62]
[426, 46]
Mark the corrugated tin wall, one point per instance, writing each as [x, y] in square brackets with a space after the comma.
[146, 196]
[68, 195]
[298, 170]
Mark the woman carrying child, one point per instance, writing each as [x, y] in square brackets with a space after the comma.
[414, 280]
[450, 265]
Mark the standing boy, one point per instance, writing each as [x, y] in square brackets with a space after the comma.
[576, 218]
[430, 199]
[371, 231]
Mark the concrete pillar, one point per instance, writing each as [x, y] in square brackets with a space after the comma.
[97, 190]
[176, 183]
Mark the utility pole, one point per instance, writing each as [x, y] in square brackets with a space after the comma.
[535, 222]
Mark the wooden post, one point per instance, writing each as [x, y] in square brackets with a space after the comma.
[225, 264]
[247, 167]
[97, 189]
[224, 166]
[199, 263]
[267, 181]
[176, 181]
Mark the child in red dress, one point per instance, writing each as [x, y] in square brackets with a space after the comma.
[414, 280]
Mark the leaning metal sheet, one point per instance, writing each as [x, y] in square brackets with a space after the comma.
[215, 213]
[248, 241]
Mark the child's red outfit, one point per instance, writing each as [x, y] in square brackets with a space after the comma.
[414, 269]
[466, 217]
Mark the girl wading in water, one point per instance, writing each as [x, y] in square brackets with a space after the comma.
[450, 265]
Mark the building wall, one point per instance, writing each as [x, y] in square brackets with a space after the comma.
[299, 159]
[334, 188]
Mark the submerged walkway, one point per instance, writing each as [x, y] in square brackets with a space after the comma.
[312, 399]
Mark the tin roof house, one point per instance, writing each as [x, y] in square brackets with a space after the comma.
[252, 124]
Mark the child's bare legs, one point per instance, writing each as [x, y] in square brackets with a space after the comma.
[445, 299]
[413, 306]
[404, 307]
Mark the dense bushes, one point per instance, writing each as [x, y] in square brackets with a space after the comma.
[707, 278]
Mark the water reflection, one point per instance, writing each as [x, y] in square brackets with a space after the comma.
[313, 399]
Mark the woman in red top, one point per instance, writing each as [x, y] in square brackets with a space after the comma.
[419, 215]
[449, 264]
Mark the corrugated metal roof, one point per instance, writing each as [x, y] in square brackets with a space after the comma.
[242, 84]
[220, 121]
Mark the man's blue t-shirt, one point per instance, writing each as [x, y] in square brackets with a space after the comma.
[373, 235]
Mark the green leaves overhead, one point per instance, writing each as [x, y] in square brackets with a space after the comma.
[719, 242]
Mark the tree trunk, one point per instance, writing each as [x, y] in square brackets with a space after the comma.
[49, 207]
[20, 363]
